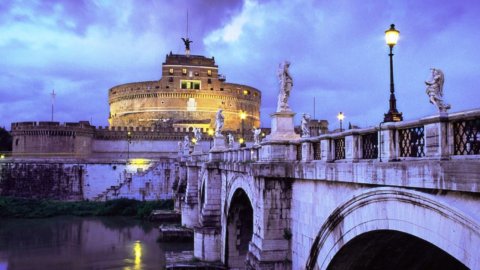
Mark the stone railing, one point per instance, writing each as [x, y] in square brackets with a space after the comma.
[436, 137]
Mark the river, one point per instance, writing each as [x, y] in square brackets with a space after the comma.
[82, 243]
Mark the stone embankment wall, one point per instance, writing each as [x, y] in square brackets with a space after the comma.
[42, 180]
[141, 179]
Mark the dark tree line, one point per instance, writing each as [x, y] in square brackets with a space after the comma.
[5, 140]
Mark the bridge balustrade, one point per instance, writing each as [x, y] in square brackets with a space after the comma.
[412, 142]
[339, 148]
[370, 145]
[466, 134]
[317, 154]
[434, 137]
[299, 152]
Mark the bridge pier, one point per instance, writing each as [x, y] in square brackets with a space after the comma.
[270, 247]
[207, 244]
[190, 205]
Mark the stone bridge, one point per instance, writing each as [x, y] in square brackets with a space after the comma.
[403, 195]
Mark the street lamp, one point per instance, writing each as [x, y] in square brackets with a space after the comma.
[210, 133]
[340, 117]
[243, 115]
[129, 140]
[391, 37]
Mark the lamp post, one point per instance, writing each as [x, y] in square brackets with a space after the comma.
[210, 134]
[340, 117]
[243, 115]
[391, 37]
[129, 140]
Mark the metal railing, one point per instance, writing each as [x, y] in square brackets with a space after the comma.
[370, 146]
[317, 154]
[339, 148]
[466, 137]
[299, 151]
[412, 142]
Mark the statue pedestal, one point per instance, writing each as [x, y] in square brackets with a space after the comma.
[282, 127]
[218, 143]
[277, 146]
[197, 149]
[216, 153]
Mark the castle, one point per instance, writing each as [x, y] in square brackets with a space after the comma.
[154, 114]
[188, 95]
[135, 156]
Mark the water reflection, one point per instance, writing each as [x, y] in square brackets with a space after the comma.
[81, 243]
[137, 250]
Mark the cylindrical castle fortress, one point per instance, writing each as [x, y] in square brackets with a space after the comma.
[188, 95]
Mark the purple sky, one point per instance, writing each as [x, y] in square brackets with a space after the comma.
[337, 51]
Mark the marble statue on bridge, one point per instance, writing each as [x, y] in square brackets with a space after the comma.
[219, 120]
[435, 90]
[304, 125]
[256, 136]
[286, 83]
[186, 145]
[231, 140]
[198, 134]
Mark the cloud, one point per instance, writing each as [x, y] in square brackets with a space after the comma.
[338, 54]
[83, 48]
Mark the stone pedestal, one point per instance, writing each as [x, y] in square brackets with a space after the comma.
[282, 127]
[277, 146]
[307, 153]
[197, 149]
[436, 141]
[352, 148]
[219, 146]
[218, 143]
[387, 149]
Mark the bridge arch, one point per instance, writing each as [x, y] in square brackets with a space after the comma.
[396, 211]
[239, 217]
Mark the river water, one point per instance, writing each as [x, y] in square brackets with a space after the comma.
[82, 243]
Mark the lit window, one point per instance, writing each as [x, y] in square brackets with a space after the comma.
[190, 84]
[184, 71]
[209, 72]
[246, 92]
[171, 71]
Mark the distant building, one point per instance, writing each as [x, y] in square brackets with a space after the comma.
[188, 95]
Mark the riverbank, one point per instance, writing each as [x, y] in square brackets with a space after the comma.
[40, 208]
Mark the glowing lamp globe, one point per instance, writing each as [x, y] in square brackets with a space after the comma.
[391, 36]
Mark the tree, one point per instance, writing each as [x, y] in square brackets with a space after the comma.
[5, 140]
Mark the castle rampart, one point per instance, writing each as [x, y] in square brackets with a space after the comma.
[52, 138]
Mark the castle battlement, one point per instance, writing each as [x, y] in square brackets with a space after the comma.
[82, 126]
